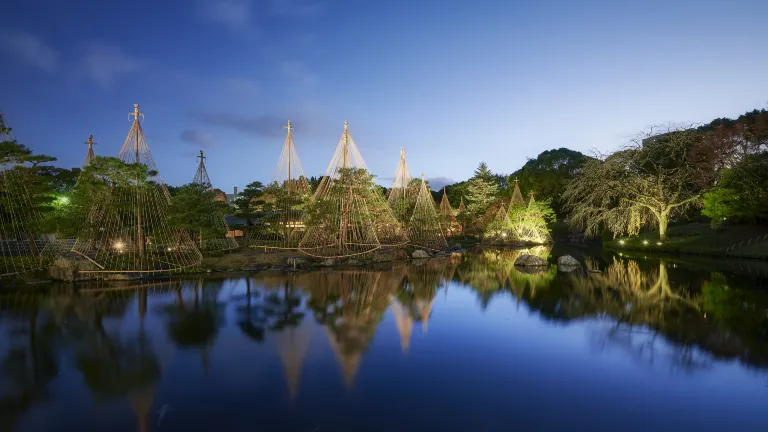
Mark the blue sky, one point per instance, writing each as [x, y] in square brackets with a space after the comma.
[454, 82]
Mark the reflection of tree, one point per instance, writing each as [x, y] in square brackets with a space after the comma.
[493, 271]
[632, 295]
[251, 318]
[741, 319]
[350, 305]
[644, 306]
[196, 326]
[29, 365]
[423, 282]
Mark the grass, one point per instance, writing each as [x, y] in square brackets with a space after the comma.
[700, 239]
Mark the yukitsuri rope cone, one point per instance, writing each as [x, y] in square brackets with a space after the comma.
[129, 231]
[424, 229]
[400, 193]
[450, 222]
[347, 215]
[20, 242]
[497, 230]
[462, 207]
[281, 226]
[222, 243]
[89, 155]
[517, 198]
[526, 223]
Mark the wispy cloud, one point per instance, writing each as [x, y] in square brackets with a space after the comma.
[235, 14]
[297, 7]
[265, 125]
[104, 63]
[240, 86]
[297, 71]
[199, 138]
[30, 49]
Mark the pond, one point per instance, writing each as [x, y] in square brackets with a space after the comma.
[461, 343]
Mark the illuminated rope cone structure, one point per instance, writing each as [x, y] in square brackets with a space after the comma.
[348, 216]
[498, 229]
[127, 228]
[20, 242]
[523, 222]
[281, 225]
[221, 243]
[402, 193]
[424, 229]
[517, 197]
[449, 216]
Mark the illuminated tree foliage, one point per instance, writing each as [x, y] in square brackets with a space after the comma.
[647, 183]
[26, 197]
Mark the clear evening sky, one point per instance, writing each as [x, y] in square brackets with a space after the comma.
[454, 82]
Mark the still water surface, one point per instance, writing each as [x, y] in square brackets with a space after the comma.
[466, 343]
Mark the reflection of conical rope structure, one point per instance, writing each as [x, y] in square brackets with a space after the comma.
[424, 227]
[130, 233]
[404, 323]
[222, 242]
[292, 346]
[399, 190]
[20, 243]
[347, 215]
[462, 207]
[425, 311]
[425, 280]
[281, 226]
[350, 305]
[349, 361]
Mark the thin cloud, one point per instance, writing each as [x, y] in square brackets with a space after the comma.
[235, 14]
[30, 50]
[438, 182]
[198, 138]
[240, 86]
[298, 71]
[297, 7]
[105, 63]
[265, 125]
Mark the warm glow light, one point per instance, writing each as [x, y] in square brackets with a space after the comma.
[621, 242]
[503, 234]
[119, 245]
[645, 242]
[658, 243]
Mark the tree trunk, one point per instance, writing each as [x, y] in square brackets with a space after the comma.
[663, 221]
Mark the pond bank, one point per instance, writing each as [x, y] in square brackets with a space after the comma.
[73, 269]
[740, 241]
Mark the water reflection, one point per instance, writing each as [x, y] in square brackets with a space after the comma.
[122, 344]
